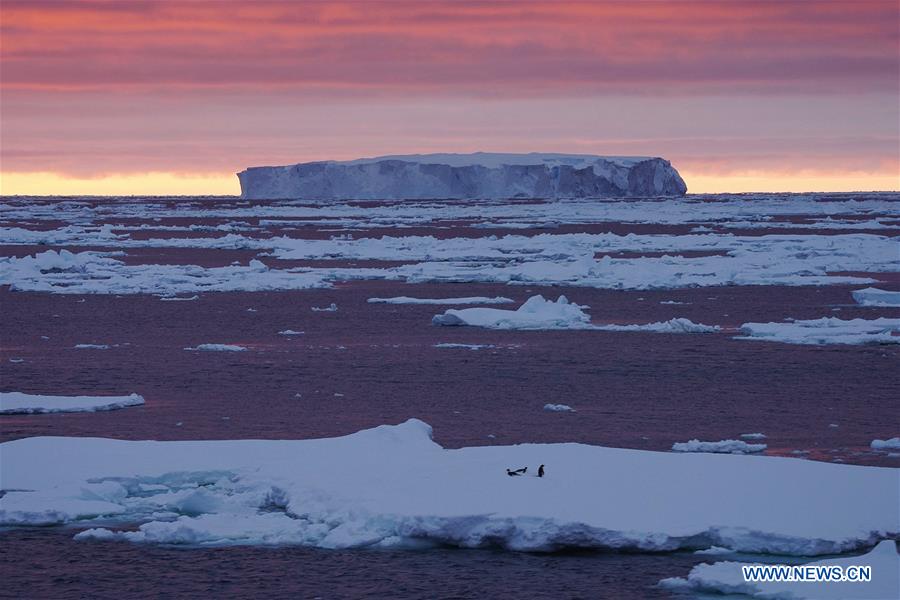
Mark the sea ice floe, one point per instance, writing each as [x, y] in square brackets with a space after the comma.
[217, 348]
[721, 447]
[827, 330]
[466, 300]
[91, 346]
[330, 308]
[546, 259]
[875, 297]
[290, 332]
[890, 444]
[753, 436]
[535, 313]
[558, 408]
[542, 314]
[393, 486]
[20, 403]
[64, 272]
[727, 578]
[464, 346]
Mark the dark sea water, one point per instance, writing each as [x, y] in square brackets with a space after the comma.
[370, 364]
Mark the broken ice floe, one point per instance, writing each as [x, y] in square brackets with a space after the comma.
[728, 578]
[20, 403]
[217, 348]
[827, 330]
[721, 447]
[875, 297]
[558, 408]
[466, 300]
[891, 444]
[538, 313]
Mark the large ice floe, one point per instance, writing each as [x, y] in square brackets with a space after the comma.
[540, 313]
[19, 403]
[720, 447]
[477, 175]
[728, 578]
[876, 297]
[393, 486]
[827, 330]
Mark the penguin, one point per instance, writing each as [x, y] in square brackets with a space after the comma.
[541, 471]
[512, 473]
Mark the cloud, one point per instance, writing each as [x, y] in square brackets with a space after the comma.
[518, 49]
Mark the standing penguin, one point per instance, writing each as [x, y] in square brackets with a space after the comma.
[541, 471]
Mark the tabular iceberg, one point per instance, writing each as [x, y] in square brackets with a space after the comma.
[478, 175]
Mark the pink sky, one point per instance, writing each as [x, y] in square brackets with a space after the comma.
[160, 97]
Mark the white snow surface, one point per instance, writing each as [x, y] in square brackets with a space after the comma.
[875, 297]
[393, 486]
[12, 403]
[727, 578]
[827, 330]
[890, 444]
[465, 300]
[721, 447]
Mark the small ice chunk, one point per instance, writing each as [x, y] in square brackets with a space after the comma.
[558, 408]
[217, 348]
[875, 297]
[891, 444]
[290, 332]
[753, 436]
[330, 308]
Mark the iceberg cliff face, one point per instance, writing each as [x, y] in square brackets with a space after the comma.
[478, 175]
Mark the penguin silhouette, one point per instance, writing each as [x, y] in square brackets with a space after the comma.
[541, 471]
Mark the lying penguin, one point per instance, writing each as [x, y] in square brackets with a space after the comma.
[517, 472]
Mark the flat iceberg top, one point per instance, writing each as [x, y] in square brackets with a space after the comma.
[494, 160]
[393, 485]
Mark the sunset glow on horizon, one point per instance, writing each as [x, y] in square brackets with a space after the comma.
[164, 97]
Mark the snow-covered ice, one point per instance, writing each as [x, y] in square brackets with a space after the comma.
[727, 578]
[330, 308]
[753, 436]
[827, 330]
[217, 348]
[875, 297]
[393, 486]
[540, 313]
[20, 403]
[558, 408]
[535, 313]
[721, 447]
[464, 346]
[290, 332]
[546, 259]
[466, 300]
[890, 444]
